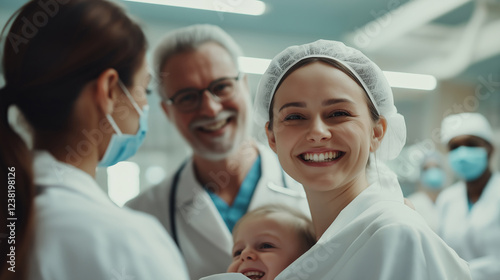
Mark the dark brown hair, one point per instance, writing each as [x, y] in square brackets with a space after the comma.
[51, 52]
[371, 107]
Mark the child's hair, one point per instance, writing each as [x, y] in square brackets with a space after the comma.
[301, 223]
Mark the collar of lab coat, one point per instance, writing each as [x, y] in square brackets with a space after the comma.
[491, 192]
[489, 198]
[197, 208]
[274, 181]
[52, 173]
[366, 199]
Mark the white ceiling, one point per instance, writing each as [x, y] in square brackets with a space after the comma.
[451, 39]
[442, 37]
[456, 40]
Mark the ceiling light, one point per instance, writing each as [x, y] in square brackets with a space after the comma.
[409, 80]
[254, 65]
[247, 7]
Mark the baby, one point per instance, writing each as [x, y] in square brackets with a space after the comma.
[268, 239]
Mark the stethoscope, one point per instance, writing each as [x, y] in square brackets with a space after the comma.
[175, 185]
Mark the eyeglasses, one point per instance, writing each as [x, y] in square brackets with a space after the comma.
[188, 100]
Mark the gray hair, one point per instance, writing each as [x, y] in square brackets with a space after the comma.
[190, 38]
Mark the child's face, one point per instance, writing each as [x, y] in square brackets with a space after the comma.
[264, 246]
[322, 130]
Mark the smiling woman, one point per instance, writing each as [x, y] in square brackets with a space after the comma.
[319, 103]
[327, 109]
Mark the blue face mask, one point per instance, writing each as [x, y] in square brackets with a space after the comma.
[433, 178]
[468, 162]
[123, 146]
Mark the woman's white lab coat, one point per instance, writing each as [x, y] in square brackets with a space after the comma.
[474, 235]
[80, 234]
[378, 237]
[425, 207]
[204, 238]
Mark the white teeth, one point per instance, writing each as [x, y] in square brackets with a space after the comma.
[321, 157]
[214, 126]
[253, 273]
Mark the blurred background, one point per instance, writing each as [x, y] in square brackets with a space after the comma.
[453, 46]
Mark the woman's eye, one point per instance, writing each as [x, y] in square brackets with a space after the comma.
[340, 114]
[293, 117]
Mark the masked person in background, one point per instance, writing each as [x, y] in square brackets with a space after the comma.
[81, 84]
[431, 182]
[469, 210]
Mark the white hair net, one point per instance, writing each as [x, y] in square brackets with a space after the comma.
[367, 72]
[465, 124]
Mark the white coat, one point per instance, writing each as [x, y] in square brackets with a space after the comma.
[204, 238]
[80, 234]
[474, 235]
[378, 237]
[425, 207]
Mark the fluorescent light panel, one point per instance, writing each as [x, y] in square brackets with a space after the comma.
[253, 65]
[258, 66]
[247, 7]
[409, 80]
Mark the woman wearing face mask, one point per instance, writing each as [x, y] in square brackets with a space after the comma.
[79, 79]
[470, 209]
[431, 182]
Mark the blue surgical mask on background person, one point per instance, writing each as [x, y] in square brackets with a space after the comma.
[433, 178]
[123, 146]
[468, 162]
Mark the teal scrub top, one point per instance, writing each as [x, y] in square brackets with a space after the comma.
[231, 214]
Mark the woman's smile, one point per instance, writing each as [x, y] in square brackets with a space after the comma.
[321, 159]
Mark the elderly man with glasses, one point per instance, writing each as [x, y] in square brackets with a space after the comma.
[208, 99]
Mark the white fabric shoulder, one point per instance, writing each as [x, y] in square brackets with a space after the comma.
[377, 237]
[451, 194]
[72, 244]
[408, 254]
